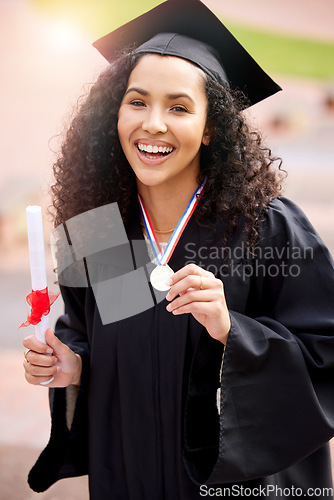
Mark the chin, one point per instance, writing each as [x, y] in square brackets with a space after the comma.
[150, 182]
[151, 179]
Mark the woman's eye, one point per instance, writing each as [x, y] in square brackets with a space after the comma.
[179, 109]
[137, 103]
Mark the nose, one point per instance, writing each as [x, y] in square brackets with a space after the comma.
[154, 122]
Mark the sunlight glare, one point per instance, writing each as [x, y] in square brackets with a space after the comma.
[64, 35]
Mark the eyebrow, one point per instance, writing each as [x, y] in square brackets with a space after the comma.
[170, 97]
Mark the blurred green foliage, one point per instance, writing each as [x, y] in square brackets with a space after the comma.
[276, 53]
[286, 54]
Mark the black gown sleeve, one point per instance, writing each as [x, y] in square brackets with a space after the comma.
[277, 386]
[66, 453]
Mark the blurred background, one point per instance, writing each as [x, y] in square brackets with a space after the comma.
[47, 62]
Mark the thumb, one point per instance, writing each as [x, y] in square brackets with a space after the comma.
[58, 347]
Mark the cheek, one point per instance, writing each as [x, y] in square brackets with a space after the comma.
[192, 136]
[122, 127]
[191, 131]
[127, 124]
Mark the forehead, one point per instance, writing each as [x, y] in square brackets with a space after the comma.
[169, 71]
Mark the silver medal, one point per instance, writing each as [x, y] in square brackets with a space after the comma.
[159, 276]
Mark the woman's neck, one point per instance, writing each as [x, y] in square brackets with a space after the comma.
[165, 206]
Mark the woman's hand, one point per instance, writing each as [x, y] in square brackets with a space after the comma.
[196, 291]
[53, 364]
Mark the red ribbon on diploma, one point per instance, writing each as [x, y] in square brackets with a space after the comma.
[40, 302]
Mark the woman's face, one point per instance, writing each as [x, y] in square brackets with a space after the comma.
[162, 120]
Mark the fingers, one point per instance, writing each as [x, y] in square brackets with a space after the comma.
[37, 375]
[194, 282]
[190, 270]
[40, 371]
[38, 380]
[37, 351]
[195, 290]
[58, 348]
[59, 369]
[34, 358]
[39, 361]
[35, 345]
[198, 292]
[193, 307]
[195, 298]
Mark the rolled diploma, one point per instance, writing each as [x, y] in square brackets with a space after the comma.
[37, 261]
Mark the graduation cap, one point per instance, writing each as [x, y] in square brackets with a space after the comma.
[188, 29]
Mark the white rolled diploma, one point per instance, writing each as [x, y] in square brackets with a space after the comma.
[37, 261]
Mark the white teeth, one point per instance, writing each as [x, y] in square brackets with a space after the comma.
[154, 149]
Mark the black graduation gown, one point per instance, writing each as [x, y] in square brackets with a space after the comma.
[146, 424]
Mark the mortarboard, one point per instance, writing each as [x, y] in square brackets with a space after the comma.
[188, 29]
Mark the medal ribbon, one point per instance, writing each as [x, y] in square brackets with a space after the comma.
[162, 257]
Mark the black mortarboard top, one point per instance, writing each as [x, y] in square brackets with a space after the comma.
[166, 29]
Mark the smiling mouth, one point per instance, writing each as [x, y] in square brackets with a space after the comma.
[153, 152]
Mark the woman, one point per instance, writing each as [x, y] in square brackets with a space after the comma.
[224, 385]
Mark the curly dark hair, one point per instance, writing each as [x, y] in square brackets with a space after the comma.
[92, 170]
